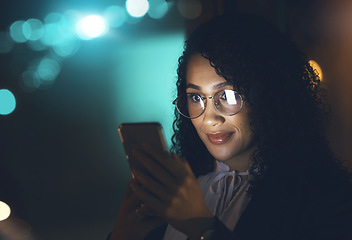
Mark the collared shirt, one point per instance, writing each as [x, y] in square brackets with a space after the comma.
[225, 194]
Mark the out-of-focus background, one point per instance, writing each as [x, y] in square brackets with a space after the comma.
[71, 71]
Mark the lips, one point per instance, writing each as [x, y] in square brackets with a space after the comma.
[219, 138]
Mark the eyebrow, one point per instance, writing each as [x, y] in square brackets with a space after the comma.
[216, 86]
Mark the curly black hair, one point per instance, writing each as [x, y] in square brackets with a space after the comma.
[287, 110]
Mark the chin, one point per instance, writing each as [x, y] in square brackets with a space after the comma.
[221, 157]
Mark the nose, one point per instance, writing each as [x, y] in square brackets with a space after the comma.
[211, 116]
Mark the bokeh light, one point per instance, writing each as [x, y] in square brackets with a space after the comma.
[40, 74]
[67, 48]
[157, 8]
[30, 80]
[116, 16]
[137, 8]
[52, 34]
[16, 32]
[33, 29]
[6, 43]
[15, 229]
[316, 68]
[5, 210]
[190, 9]
[57, 29]
[48, 69]
[7, 102]
[91, 27]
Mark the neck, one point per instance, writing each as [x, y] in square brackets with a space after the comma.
[242, 162]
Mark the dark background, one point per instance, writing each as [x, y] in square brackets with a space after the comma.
[62, 169]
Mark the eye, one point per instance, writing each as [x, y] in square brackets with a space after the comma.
[223, 95]
[226, 97]
[194, 98]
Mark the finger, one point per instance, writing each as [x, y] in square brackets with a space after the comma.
[173, 164]
[147, 211]
[153, 167]
[182, 162]
[132, 201]
[151, 185]
[149, 199]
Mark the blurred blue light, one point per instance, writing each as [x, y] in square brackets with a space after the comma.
[54, 17]
[67, 48]
[7, 102]
[33, 29]
[57, 29]
[116, 16]
[6, 43]
[16, 32]
[157, 8]
[30, 80]
[91, 27]
[48, 69]
[137, 8]
[52, 34]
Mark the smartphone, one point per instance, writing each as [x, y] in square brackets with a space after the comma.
[133, 135]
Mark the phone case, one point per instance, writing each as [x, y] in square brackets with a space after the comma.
[133, 135]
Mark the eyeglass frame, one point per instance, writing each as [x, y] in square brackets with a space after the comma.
[205, 105]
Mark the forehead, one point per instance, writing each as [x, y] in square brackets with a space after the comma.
[201, 73]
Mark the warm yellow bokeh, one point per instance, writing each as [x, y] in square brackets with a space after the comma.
[5, 211]
[317, 69]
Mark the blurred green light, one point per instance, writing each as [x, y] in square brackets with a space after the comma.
[137, 8]
[54, 17]
[57, 29]
[52, 34]
[91, 27]
[33, 29]
[16, 32]
[30, 80]
[116, 16]
[67, 48]
[48, 69]
[7, 102]
[157, 8]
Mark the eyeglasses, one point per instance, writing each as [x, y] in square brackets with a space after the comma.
[192, 105]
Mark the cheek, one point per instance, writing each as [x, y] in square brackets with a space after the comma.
[242, 126]
[196, 123]
[247, 134]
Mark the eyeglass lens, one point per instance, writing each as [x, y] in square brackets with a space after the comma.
[227, 102]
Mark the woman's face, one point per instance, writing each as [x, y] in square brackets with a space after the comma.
[227, 138]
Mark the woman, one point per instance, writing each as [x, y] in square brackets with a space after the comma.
[252, 161]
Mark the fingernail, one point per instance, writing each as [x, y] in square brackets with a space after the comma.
[133, 172]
